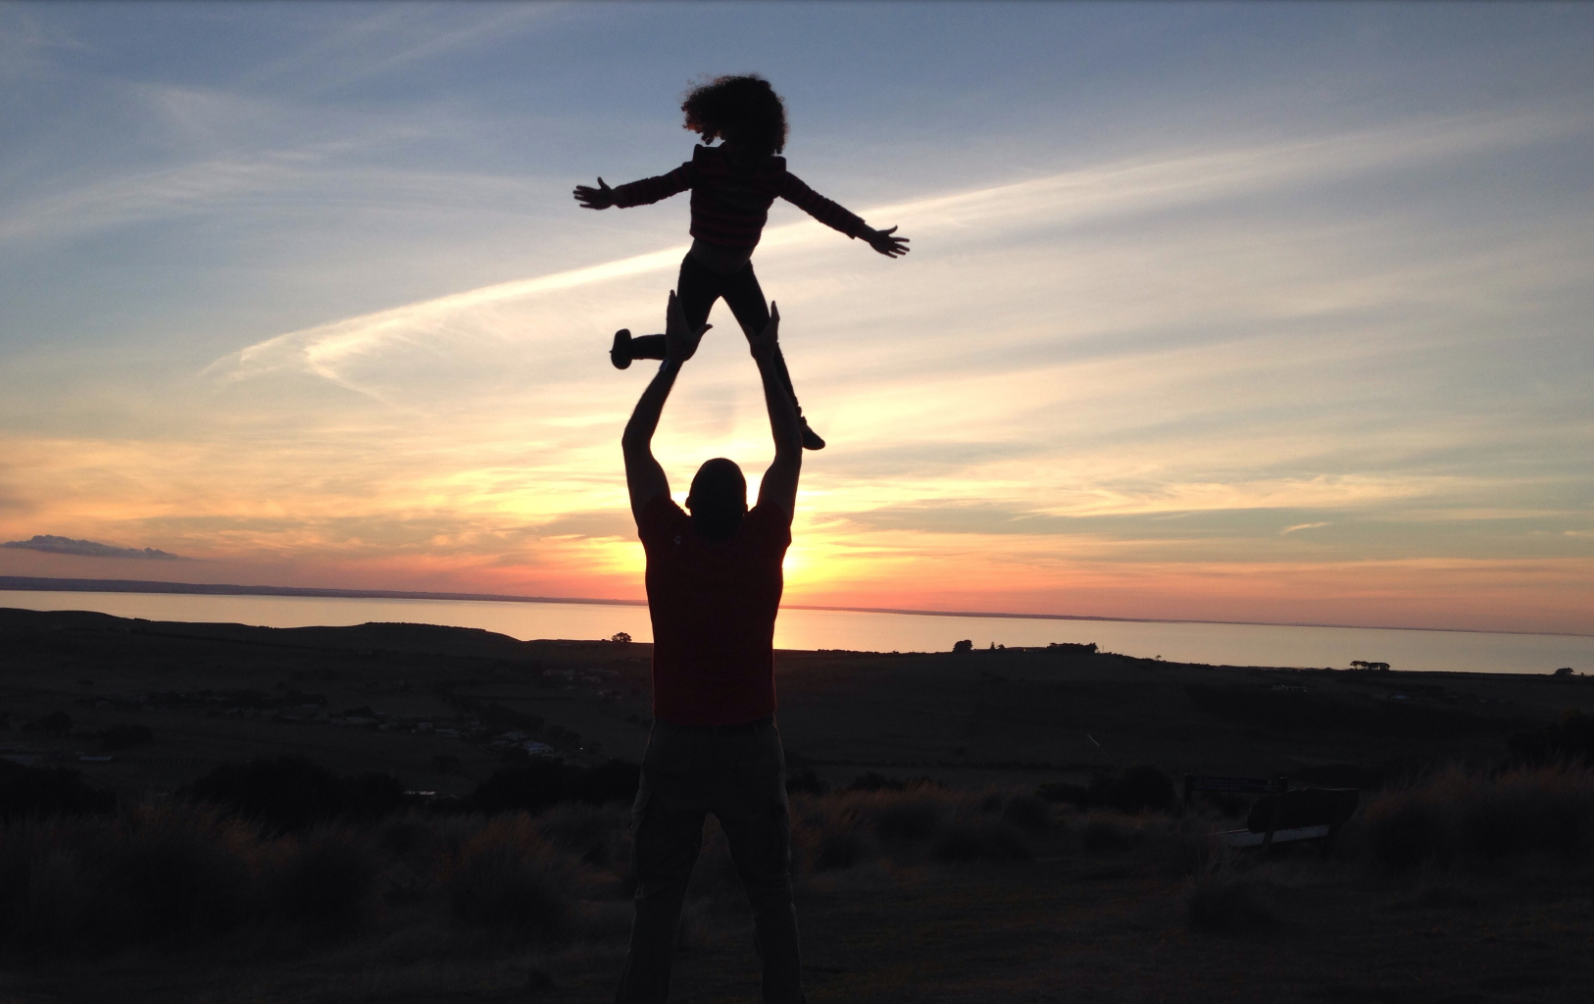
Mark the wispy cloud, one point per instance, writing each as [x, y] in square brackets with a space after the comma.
[1302, 526]
[51, 544]
[1056, 203]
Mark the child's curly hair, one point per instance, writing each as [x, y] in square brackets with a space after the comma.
[743, 109]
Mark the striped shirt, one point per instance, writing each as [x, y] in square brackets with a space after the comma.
[730, 207]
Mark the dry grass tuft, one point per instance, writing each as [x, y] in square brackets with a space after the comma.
[507, 875]
[1226, 900]
[1462, 819]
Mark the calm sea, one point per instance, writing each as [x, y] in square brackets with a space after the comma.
[1231, 644]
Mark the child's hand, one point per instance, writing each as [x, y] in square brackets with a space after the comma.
[880, 240]
[764, 343]
[601, 197]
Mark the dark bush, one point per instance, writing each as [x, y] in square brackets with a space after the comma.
[1341, 775]
[966, 645]
[1404, 832]
[1571, 738]
[57, 723]
[506, 876]
[121, 737]
[541, 783]
[963, 842]
[612, 781]
[837, 851]
[873, 781]
[907, 822]
[291, 793]
[1028, 813]
[532, 788]
[328, 881]
[1224, 902]
[1106, 835]
[41, 791]
[805, 782]
[1066, 793]
[1139, 788]
[171, 873]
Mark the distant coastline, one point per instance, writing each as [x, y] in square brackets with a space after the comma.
[44, 584]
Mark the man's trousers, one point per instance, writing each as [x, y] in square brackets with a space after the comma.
[741, 778]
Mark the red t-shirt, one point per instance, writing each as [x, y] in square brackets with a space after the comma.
[713, 605]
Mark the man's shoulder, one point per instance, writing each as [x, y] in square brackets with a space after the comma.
[770, 523]
[661, 517]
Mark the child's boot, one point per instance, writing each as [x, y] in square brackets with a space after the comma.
[811, 440]
[620, 352]
[627, 348]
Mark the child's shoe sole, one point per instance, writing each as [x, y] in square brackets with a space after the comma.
[811, 440]
[620, 352]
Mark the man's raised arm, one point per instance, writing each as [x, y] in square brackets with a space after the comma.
[779, 488]
[644, 477]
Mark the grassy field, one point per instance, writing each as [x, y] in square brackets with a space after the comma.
[1452, 884]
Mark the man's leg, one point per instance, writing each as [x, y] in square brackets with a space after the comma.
[667, 835]
[751, 806]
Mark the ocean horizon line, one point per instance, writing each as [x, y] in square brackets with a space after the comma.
[21, 583]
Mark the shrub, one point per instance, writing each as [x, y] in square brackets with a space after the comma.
[611, 781]
[90, 885]
[994, 841]
[906, 821]
[40, 791]
[598, 835]
[1065, 792]
[1103, 834]
[57, 723]
[1139, 788]
[1460, 818]
[839, 851]
[121, 737]
[1028, 813]
[542, 783]
[291, 793]
[873, 781]
[328, 880]
[1222, 901]
[172, 871]
[1570, 738]
[806, 782]
[507, 875]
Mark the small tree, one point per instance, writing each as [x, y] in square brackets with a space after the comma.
[966, 645]
[621, 637]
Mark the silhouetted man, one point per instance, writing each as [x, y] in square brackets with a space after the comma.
[714, 583]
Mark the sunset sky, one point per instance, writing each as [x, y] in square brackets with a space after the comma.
[1277, 313]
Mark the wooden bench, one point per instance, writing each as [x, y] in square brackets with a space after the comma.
[1279, 815]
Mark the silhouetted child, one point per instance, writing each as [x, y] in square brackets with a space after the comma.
[732, 185]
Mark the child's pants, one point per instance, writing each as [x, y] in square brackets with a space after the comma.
[697, 289]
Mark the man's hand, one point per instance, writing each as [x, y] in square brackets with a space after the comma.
[601, 197]
[680, 344]
[881, 240]
[764, 343]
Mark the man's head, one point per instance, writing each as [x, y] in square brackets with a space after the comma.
[718, 499]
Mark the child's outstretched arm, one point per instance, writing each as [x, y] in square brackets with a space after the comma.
[637, 193]
[834, 215]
